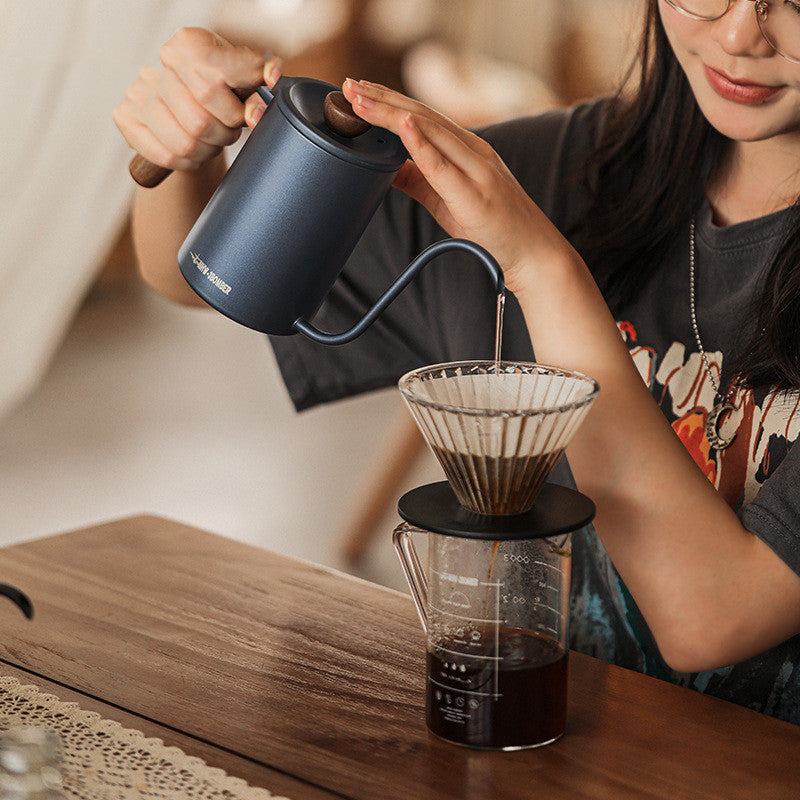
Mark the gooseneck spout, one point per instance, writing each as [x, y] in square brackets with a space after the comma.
[411, 271]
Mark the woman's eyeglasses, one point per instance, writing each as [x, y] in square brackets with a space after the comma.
[779, 20]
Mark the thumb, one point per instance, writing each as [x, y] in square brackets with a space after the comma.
[411, 181]
[254, 107]
[272, 71]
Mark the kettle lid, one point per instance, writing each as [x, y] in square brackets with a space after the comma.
[302, 100]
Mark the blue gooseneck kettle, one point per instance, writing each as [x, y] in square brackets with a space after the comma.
[285, 218]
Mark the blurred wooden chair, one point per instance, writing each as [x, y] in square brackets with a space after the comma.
[390, 466]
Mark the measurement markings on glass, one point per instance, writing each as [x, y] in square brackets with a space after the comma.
[464, 580]
[493, 695]
[549, 608]
[497, 641]
[478, 656]
[460, 616]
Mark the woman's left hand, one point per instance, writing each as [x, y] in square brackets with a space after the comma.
[463, 183]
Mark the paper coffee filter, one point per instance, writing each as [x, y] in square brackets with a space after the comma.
[510, 392]
[497, 430]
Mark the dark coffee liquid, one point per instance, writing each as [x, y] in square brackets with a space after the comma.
[496, 485]
[519, 701]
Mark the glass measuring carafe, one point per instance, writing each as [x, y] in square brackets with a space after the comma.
[493, 601]
[494, 604]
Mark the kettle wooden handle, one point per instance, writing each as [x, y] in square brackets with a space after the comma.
[148, 174]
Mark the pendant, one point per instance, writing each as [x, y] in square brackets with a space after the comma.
[715, 438]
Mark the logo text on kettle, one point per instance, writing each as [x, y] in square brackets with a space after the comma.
[210, 274]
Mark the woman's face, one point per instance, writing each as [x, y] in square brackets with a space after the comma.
[746, 90]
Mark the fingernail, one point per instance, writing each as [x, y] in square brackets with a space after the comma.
[364, 102]
[275, 70]
[353, 85]
[254, 114]
[409, 120]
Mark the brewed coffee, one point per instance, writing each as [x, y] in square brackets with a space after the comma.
[516, 700]
[507, 485]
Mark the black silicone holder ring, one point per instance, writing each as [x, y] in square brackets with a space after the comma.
[557, 510]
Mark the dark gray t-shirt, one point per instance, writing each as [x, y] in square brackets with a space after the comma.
[448, 314]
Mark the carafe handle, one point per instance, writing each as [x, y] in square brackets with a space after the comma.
[149, 175]
[410, 272]
[412, 568]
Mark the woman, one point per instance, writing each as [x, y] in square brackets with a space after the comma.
[649, 238]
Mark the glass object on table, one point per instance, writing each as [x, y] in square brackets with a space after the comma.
[494, 598]
[30, 764]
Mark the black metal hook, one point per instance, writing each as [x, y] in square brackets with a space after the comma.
[20, 599]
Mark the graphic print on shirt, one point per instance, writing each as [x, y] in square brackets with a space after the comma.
[765, 430]
[682, 389]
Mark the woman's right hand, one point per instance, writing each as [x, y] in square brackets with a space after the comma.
[181, 114]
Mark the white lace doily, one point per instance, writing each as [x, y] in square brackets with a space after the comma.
[104, 761]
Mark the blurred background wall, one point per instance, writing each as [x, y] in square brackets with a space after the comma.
[112, 400]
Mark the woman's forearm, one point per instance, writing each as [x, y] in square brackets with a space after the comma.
[162, 217]
[682, 551]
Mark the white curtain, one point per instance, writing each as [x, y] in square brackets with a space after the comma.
[64, 184]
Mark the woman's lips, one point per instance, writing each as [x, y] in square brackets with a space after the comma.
[749, 94]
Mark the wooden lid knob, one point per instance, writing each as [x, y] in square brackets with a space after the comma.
[341, 118]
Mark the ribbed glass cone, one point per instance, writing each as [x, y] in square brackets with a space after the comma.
[497, 430]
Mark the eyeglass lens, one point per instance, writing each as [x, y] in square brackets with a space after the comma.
[779, 20]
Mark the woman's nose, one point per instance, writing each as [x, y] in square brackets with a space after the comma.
[738, 34]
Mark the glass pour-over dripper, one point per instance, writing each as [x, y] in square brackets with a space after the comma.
[497, 428]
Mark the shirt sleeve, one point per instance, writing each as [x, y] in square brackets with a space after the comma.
[774, 514]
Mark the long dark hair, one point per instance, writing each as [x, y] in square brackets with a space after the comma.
[655, 159]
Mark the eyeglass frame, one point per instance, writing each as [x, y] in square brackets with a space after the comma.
[761, 7]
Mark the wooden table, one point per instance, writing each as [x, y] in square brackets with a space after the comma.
[310, 683]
